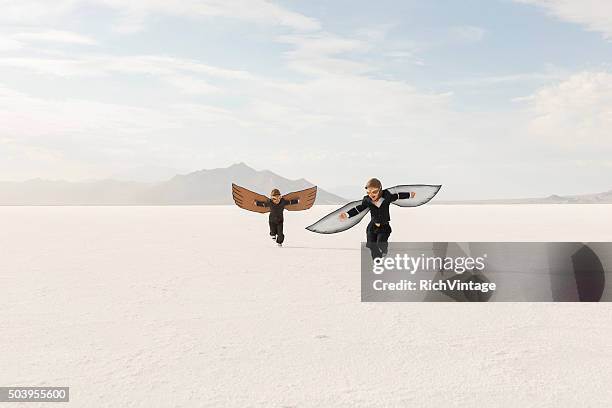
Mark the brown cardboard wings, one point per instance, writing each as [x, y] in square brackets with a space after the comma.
[246, 199]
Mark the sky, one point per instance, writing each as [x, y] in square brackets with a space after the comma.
[491, 98]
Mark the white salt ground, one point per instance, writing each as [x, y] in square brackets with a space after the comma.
[196, 306]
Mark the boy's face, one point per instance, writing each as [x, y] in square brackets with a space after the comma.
[373, 192]
[275, 199]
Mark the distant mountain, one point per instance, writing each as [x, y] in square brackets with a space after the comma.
[208, 187]
[214, 186]
[200, 187]
[147, 174]
[596, 198]
[50, 192]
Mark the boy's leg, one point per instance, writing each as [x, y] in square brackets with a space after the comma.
[382, 241]
[272, 229]
[280, 237]
[371, 238]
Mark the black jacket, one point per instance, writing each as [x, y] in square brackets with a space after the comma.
[380, 215]
[276, 210]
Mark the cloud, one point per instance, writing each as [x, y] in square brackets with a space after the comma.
[9, 44]
[76, 138]
[325, 54]
[338, 96]
[186, 75]
[133, 13]
[363, 105]
[468, 33]
[552, 74]
[595, 15]
[34, 11]
[191, 85]
[257, 11]
[322, 110]
[53, 36]
[28, 117]
[576, 112]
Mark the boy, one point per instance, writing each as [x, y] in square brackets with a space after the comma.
[277, 204]
[377, 201]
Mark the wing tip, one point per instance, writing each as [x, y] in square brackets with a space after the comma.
[316, 231]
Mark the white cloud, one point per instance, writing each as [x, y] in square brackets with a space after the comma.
[574, 113]
[52, 36]
[595, 15]
[549, 75]
[258, 11]
[133, 13]
[468, 33]
[185, 75]
[399, 54]
[363, 104]
[76, 138]
[316, 110]
[9, 44]
[27, 117]
[315, 45]
[313, 54]
[340, 98]
[34, 11]
[324, 54]
[100, 65]
[191, 85]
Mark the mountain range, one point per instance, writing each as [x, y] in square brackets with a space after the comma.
[204, 187]
[207, 187]
[595, 198]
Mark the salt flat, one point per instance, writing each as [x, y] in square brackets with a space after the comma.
[195, 306]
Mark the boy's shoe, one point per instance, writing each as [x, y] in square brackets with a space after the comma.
[280, 245]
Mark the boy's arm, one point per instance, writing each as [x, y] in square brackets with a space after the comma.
[262, 203]
[290, 202]
[400, 196]
[356, 210]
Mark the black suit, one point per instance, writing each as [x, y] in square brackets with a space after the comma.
[379, 229]
[276, 218]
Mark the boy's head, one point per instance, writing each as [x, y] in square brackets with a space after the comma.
[374, 188]
[275, 196]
